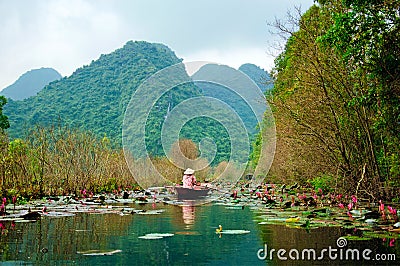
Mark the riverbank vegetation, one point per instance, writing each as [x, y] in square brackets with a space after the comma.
[336, 97]
[55, 161]
[60, 161]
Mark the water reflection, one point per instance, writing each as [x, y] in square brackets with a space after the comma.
[65, 240]
[288, 238]
[188, 215]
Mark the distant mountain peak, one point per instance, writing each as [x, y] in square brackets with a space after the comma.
[30, 83]
[94, 96]
[260, 76]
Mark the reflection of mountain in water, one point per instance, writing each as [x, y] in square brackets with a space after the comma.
[62, 238]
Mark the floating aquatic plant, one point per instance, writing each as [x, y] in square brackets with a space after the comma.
[99, 252]
[150, 237]
[234, 232]
[160, 234]
[150, 212]
[58, 214]
[153, 236]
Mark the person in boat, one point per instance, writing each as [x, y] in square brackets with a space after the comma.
[189, 180]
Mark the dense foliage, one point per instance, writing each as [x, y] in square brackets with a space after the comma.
[336, 97]
[94, 98]
[60, 161]
[4, 123]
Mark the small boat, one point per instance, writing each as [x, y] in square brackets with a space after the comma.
[191, 193]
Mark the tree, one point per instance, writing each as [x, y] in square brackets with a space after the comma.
[4, 124]
[185, 154]
[367, 37]
[333, 103]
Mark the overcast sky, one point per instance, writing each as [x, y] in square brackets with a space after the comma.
[67, 34]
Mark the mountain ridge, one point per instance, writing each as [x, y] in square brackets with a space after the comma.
[30, 83]
[95, 96]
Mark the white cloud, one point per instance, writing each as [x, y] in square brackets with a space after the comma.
[233, 57]
[66, 34]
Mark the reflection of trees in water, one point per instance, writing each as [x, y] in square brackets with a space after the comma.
[61, 238]
[283, 237]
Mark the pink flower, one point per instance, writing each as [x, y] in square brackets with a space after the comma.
[235, 194]
[392, 210]
[381, 206]
[339, 196]
[315, 196]
[391, 242]
[14, 199]
[302, 197]
[4, 201]
[354, 199]
[320, 191]
[350, 206]
[341, 205]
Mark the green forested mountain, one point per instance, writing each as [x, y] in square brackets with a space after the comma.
[231, 97]
[261, 77]
[95, 96]
[30, 83]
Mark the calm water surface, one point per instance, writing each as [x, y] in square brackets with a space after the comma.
[65, 240]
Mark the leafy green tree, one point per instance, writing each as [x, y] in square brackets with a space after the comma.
[336, 95]
[366, 35]
[4, 124]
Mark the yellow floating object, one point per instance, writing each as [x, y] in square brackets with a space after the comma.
[292, 220]
[219, 229]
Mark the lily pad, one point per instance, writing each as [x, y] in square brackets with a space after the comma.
[151, 212]
[9, 219]
[99, 252]
[153, 236]
[25, 221]
[150, 237]
[59, 214]
[240, 207]
[358, 238]
[160, 234]
[381, 234]
[234, 232]
[292, 220]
